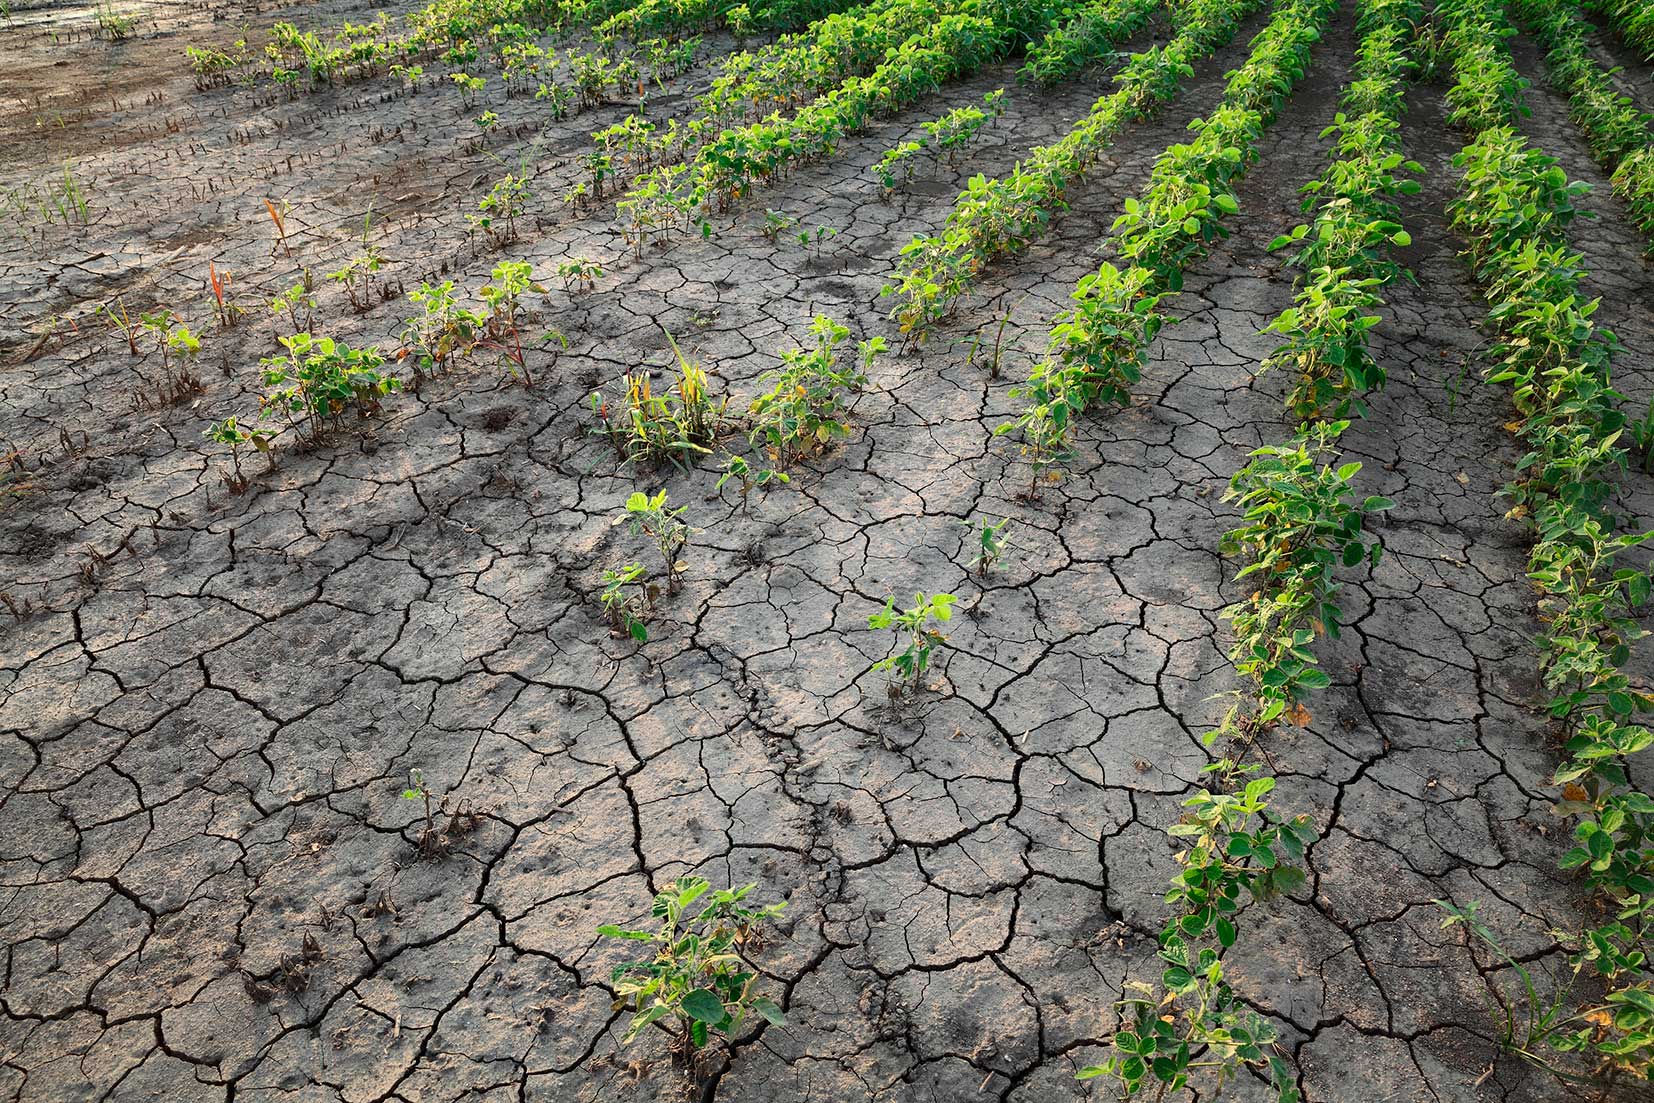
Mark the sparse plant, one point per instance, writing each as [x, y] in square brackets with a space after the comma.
[278, 218]
[916, 639]
[651, 516]
[579, 273]
[990, 541]
[738, 467]
[626, 610]
[504, 201]
[231, 433]
[291, 301]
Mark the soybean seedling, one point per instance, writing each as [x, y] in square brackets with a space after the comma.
[812, 241]
[990, 543]
[737, 467]
[696, 976]
[625, 610]
[237, 436]
[664, 526]
[579, 273]
[916, 639]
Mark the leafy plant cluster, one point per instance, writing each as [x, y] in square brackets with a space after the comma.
[995, 218]
[945, 137]
[1097, 348]
[1620, 135]
[781, 76]
[1513, 208]
[696, 977]
[1344, 253]
[1634, 21]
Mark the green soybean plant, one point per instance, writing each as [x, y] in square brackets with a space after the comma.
[805, 408]
[665, 528]
[697, 976]
[626, 610]
[916, 639]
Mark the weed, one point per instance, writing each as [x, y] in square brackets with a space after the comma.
[224, 305]
[279, 220]
[113, 25]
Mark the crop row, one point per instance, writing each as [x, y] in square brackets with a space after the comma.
[950, 44]
[1635, 22]
[995, 218]
[1097, 348]
[784, 75]
[1513, 207]
[1301, 522]
[461, 33]
[1619, 134]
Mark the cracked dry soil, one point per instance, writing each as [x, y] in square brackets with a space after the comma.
[212, 886]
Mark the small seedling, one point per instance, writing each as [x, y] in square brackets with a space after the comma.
[737, 467]
[813, 241]
[579, 273]
[626, 611]
[916, 639]
[291, 301]
[777, 223]
[237, 436]
[664, 526]
[698, 977]
[990, 543]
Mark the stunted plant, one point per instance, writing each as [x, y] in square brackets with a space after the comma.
[626, 610]
[804, 410]
[295, 299]
[990, 541]
[916, 638]
[579, 273]
[651, 516]
[178, 348]
[697, 976]
[231, 433]
[319, 379]
[498, 211]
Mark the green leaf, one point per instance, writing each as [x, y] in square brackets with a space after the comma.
[769, 1010]
[703, 1005]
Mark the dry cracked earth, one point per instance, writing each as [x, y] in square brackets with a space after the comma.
[210, 703]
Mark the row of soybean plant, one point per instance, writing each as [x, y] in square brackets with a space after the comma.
[1300, 523]
[1619, 134]
[1097, 348]
[715, 168]
[1513, 207]
[1003, 216]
